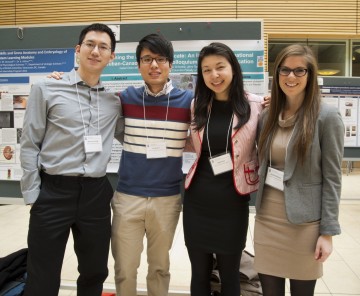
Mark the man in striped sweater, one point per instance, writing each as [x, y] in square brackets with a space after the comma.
[147, 200]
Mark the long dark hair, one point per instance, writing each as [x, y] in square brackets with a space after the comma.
[204, 95]
[307, 113]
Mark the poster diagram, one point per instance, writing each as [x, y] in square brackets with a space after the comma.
[346, 98]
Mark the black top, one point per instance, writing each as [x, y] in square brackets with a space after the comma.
[215, 215]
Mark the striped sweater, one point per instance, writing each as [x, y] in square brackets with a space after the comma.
[161, 176]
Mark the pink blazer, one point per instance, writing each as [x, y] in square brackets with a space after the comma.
[244, 149]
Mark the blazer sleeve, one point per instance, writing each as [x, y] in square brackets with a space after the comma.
[332, 147]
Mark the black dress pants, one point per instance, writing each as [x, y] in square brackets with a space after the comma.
[65, 203]
[201, 268]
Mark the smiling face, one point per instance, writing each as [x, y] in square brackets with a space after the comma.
[154, 74]
[218, 75]
[291, 85]
[93, 60]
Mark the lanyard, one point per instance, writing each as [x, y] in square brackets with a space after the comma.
[98, 108]
[166, 116]
[292, 132]
[207, 131]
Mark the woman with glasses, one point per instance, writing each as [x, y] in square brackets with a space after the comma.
[300, 151]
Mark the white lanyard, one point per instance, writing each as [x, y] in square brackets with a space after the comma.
[98, 108]
[156, 149]
[287, 144]
[207, 131]
[92, 143]
[274, 177]
[222, 162]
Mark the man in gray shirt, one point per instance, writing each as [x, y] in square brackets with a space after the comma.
[65, 147]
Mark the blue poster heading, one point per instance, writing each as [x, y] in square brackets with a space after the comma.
[186, 62]
[14, 80]
[36, 60]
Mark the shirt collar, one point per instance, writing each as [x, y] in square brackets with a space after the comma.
[76, 79]
[167, 89]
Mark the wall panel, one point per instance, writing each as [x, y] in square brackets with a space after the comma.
[165, 9]
[305, 18]
[358, 19]
[282, 18]
[66, 11]
[7, 12]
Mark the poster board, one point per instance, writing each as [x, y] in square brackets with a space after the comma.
[45, 49]
[344, 94]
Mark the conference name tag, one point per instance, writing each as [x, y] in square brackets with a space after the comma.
[156, 150]
[221, 163]
[275, 179]
[93, 143]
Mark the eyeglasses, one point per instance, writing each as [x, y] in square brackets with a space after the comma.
[298, 72]
[149, 60]
[102, 48]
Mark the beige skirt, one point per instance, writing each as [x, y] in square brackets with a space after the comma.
[283, 249]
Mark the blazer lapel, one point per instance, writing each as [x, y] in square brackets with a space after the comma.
[291, 159]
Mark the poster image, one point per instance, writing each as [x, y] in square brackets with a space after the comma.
[7, 154]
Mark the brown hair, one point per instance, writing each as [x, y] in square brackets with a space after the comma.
[307, 113]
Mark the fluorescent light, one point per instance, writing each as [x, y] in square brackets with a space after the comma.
[328, 72]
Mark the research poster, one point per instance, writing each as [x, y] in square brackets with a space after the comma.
[20, 68]
[346, 99]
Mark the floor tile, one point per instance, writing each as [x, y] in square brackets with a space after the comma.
[341, 270]
[339, 278]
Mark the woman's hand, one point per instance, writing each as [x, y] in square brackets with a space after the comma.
[323, 247]
[56, 75]
[266, 102]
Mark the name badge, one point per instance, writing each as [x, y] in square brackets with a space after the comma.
[93, 143]
[221, 163]
[275, 179]
[156, 150]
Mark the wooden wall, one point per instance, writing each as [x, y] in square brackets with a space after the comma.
[282, 18]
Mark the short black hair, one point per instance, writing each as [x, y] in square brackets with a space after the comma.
[98, 27]
[157, 44]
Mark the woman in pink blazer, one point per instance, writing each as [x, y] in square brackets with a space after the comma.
[216, 208]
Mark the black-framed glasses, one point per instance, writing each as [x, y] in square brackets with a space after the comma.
[149, 60]
[102, 48]
[298, 72]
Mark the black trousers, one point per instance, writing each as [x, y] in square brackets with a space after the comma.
[201, 268]
[65, 203]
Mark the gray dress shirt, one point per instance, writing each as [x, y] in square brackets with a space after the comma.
[53, 133]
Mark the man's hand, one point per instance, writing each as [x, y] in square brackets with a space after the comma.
[56, 75]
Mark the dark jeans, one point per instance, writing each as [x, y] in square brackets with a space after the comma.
[83, 205]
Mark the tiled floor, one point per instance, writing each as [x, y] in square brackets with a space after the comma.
[341, 271]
